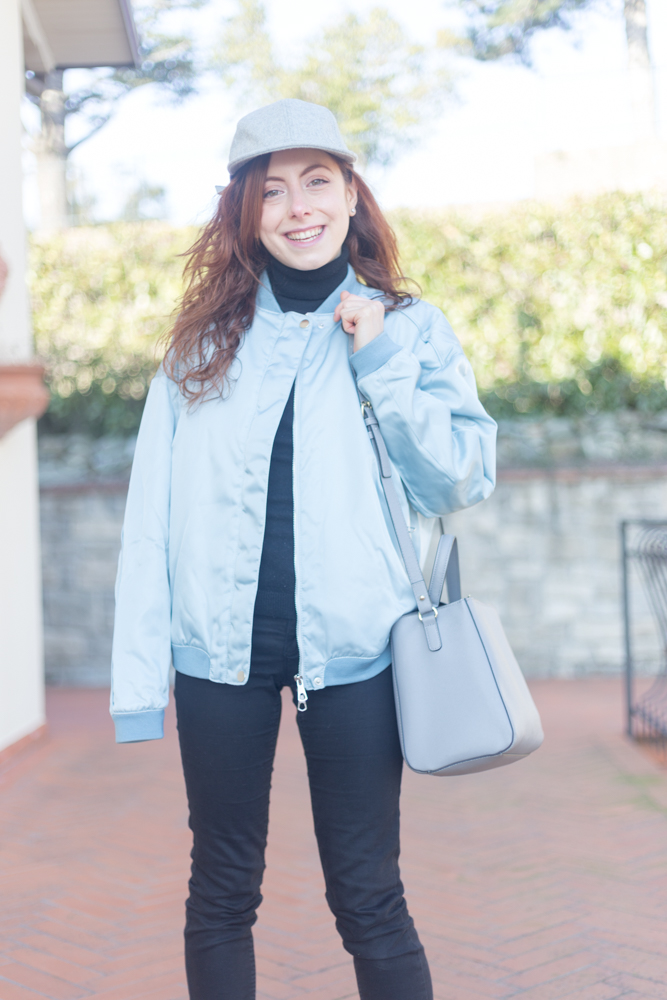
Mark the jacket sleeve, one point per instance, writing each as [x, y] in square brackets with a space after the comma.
[141, 653]
[438, 435]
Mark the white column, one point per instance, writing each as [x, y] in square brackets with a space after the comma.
[21, 657]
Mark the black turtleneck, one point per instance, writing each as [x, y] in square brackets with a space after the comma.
[305, 291]
[301, 292]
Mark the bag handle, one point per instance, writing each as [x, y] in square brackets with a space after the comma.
[428, 614]
[446, 568]
[446, 563]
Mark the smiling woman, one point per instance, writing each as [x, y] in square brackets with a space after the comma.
[270, 196]
[256, 553]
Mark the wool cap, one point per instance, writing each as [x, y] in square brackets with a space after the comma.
[286, 124]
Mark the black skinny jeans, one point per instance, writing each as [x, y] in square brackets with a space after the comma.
[228, 738]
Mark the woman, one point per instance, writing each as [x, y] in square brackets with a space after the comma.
[257, 551]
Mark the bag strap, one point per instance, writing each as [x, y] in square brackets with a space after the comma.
[428, 614]
[446, 568]
[428, 611]
[446, 563]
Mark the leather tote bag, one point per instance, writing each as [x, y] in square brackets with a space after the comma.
[461, 700]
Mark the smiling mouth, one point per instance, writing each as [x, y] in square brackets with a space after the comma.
[306, 236]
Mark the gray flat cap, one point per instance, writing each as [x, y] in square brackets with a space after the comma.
[287, 124]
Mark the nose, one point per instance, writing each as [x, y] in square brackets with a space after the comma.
[299, 207]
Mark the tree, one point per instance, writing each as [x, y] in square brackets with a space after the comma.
[168, 62]
[500, 28]
[381, 86]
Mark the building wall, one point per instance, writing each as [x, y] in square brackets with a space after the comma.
[544, 550]
[21, 680]
[21, 649]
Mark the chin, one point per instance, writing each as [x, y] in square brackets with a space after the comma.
[310, 260]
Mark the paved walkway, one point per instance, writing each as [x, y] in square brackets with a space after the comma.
[543, 880]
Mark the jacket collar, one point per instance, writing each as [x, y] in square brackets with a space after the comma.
[267, 300]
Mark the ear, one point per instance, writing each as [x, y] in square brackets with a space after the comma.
[352, 195]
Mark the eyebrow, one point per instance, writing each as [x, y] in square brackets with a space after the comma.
[315, 166]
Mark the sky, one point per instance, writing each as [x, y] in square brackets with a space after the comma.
[481, 149]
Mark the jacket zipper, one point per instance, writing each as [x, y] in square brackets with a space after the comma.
[301, 693]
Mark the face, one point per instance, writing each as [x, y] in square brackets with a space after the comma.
[306, 208]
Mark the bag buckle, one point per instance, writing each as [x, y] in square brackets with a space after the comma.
[365, 404]
[434, 610]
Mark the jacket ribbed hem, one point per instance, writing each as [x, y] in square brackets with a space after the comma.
[191, 660]
[135, 727]
[194, 662]
[352, 669]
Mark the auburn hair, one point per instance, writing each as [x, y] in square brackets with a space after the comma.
[224, 269]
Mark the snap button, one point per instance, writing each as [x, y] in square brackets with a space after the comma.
[318, 682]
[240, 676]
[321, 326]
[304, 323]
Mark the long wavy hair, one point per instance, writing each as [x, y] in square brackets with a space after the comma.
[224, 269]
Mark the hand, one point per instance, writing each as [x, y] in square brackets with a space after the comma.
[361, 317]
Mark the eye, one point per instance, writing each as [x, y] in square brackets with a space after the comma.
[272, 193]
[318, 182]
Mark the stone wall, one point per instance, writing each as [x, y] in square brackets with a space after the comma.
[544, 549]
[80, 543]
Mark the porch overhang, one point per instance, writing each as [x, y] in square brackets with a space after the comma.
[78, 34]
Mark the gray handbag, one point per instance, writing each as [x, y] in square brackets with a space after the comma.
[461, 700]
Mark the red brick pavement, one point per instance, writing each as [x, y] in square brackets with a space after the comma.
[540, 881]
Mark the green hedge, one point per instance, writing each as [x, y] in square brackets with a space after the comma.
[102, 296]
[562, 310]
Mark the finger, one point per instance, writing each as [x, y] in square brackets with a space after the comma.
[349, 318]
[343, 296]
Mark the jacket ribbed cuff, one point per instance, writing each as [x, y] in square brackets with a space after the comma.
[371, 357]
[135, 727]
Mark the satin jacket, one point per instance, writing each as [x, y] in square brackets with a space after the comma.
[194, 523]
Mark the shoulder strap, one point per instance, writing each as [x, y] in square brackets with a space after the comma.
[428, 613]
[446, 568]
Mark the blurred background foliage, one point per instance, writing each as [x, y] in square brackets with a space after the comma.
[384, 88]
[561, 309]
[101, 297]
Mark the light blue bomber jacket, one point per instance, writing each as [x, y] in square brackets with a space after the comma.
[194, 523]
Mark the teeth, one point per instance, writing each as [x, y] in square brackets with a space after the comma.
[307, 234]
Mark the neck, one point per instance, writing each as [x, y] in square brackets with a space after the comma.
[305, 291]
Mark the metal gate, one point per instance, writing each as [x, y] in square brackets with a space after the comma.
[644, 547]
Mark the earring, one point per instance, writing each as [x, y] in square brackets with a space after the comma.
[353, 211]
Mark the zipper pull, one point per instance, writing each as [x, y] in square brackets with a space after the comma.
[301, 693]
